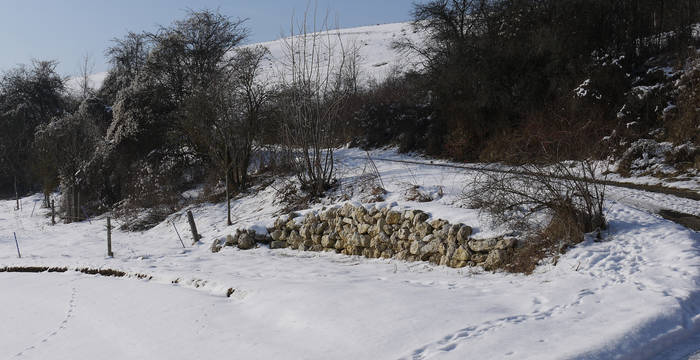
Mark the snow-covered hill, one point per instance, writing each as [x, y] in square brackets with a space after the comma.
[377, 58]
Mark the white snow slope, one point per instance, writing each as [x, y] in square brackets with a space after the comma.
[377, 59]
[633, 296]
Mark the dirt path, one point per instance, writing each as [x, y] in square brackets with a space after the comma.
[688, 220]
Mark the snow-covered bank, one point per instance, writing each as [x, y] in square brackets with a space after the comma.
[630, 296]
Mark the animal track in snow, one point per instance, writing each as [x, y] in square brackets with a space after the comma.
[452, 341]
[62, 325]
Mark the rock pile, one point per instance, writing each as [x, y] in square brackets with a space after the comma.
[409, 235]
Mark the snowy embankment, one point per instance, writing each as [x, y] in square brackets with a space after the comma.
[630, 296]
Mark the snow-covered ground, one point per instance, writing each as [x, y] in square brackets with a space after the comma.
[633, 296]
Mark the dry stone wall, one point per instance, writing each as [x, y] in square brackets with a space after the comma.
[409, 235]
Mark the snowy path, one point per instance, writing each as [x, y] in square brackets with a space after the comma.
[635, 295]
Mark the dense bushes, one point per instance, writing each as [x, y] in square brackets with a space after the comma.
[529, 74]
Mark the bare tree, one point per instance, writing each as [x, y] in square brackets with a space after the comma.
[87, 67]
[313, 95]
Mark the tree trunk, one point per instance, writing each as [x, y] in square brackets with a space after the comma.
[228, 201]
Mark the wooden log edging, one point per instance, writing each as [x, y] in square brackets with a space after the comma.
[91, 271]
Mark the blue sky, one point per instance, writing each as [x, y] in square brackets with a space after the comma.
[67, 30]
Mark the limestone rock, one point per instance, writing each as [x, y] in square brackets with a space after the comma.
[232, 240]
[321, 228]
[246, 241]
[420, 217]
[506, 243]
[327, 241]
[294, 238]
[415, 247]
[278, 244]
[494, 259]
[483, 245]
[276, 235]
[393, 217]
[216, 245]
[363, 228]
[424, 229]
[461, 254]
[464, 233]
[438, 223]
[404, 233]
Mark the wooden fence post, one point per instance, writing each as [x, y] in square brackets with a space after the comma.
[193, 227]
[109, 237]
[53, 213]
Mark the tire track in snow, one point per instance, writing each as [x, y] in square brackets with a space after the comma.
[62, 325]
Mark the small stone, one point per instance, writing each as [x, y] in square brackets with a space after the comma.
[420, 217]
[393, 217]
[478, 258]
[363, 228]
[494, 259]
[402, 255]
[430, 248]
[464, 233]
[415, 247]
[276, 235]
[246, 241]
[294, 238]
[359, 214]
[454, 229]
[291, 225]
[321, 228]
[409, 214]
[483, 245]
[461, 254]
[424, 228]
[327, 241]
[316, 247]
[231, 240]
[216, 245]
[506, 243]
[438, 223]
[278, 244]
[457, 263]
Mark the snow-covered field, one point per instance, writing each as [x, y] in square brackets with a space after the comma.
[635, 295]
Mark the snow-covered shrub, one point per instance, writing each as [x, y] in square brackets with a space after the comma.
[552, 206]
[662, 159]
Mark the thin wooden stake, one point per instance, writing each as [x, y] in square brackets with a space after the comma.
[109, 237]
[85, 214]
[17, 245]
[178, 235]
[193, 227]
